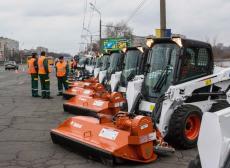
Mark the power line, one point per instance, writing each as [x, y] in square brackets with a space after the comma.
[136, 10]
[85, 10]
[84, 17]
[134, 13]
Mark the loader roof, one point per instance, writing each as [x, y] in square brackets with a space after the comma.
[183, 41]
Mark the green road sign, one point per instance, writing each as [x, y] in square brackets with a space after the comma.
[112, 44]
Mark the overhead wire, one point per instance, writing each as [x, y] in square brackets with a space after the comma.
[140, 5]
[83, 23]
[136, 10]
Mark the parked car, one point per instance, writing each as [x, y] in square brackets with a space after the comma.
[11, 65]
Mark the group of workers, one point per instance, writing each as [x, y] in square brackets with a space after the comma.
[39, 67]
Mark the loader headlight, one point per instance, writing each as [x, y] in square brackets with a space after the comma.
[178, 41]
[124, 50]
[149, 42]
[140, 49]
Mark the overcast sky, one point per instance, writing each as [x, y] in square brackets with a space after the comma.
[57, 24]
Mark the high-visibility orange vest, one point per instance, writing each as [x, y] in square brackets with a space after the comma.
[31, 68]
[61, 69]
[41, 68]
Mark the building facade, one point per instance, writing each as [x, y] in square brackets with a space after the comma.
[9, 49]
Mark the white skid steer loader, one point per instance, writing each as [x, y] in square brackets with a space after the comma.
[180, 84]
[132, 68]
[114, 66]
[214, 141]
[102, 63]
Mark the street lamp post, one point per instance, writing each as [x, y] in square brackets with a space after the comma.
[94, 8]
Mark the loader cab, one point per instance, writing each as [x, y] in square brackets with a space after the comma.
[115, 62]
[103, 68]
[174, 61]
[132, 64]
[90, 61]
[98, 62]
[82, 62]
[104, 62]
[115, 66]
[90, 65]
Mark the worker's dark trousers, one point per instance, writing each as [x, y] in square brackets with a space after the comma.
[62, 81]
[34, 84]
[45, 85]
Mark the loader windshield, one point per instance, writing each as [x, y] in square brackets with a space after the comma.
[82, 62]
[132, 61]
[161, 61]
[114, 62]
[98, 62]
[91, 61]
[105, 62]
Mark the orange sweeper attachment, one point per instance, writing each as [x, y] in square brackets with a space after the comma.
[120, 138]
[110, 65]
[95, 102]
[79, 88]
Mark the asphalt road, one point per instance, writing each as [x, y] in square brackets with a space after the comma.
[25, 123]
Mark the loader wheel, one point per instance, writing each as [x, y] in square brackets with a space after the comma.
[184, 126]
[195, 163]
[219, 106]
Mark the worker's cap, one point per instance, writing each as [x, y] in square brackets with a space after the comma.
[61, 57]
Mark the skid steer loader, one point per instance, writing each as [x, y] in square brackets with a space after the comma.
[90, 65]
[180, 84]
[87, 101]
[102, 63]
[215, 130]
[81, 72]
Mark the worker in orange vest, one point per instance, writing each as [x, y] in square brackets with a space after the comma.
[43, 72]
[62, 70]
[33, 71]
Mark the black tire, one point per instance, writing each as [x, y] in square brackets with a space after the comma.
[219, 106]
[178, 125]
[195, 163]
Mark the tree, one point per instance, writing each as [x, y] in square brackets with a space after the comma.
[120, 29]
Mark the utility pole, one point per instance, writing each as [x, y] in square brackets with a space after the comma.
[163, 17]
[100, 22]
